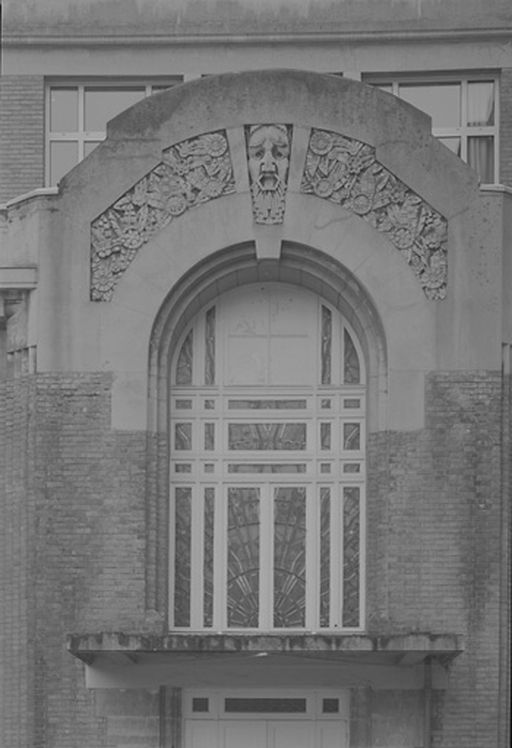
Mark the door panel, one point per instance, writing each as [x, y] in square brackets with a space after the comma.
[290, 734]
[331, 735]
[243, 734]
[201, 733]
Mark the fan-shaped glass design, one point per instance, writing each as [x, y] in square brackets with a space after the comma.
[289, 557]
[243, 540]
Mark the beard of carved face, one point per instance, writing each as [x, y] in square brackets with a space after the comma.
[268, 203]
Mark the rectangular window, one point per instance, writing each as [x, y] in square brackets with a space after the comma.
[464, 114]
[77, 116]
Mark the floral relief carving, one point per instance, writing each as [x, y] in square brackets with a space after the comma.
[191, 173]
[345, 171]
[268, 160]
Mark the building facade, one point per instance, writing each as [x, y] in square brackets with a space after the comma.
[255, 400]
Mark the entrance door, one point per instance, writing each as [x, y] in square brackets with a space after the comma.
[260, 719]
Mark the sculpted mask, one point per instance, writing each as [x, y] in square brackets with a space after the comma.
[268, 152]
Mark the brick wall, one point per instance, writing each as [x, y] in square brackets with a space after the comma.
[21, 135]
[16, 453]
[434, 504]
[506, 127]
[73, 553]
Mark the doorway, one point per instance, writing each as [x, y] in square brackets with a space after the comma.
[266, 719]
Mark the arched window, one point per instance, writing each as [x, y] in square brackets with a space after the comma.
[267, 465]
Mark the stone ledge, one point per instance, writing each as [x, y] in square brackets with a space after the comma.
[421, 645]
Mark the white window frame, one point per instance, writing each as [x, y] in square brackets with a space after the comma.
[464, 131]
[82, 136]
[312, 480]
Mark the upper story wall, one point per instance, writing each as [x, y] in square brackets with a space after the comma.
[100, 17]
[69, 37]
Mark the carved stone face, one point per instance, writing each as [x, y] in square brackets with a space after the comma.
[269, 156]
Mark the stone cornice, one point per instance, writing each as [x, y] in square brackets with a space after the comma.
[428, 35]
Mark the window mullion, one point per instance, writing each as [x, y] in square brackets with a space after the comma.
[196, 571]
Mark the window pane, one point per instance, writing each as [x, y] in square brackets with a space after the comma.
[104, 103]
[481, 158]
[90, 145]
[325, 555]
[266, 436]
[255, 705]
[481, 103]
[64, 110]
[289, 556]
[351, 531]
[243, 557]
[182, 556]
[453, 144]
[63, 156]
[441, 101]
[209, 516]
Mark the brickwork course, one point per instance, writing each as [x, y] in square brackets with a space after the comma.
[22, 130]
[74, 553]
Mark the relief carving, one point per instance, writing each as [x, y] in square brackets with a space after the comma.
[268, 160]
[191, 173]
[345, 171]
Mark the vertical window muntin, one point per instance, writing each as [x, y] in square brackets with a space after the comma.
[460, 136]
[296, 467]
[73, 133]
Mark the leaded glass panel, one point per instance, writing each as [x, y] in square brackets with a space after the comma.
[209, 517]
[185, 359]
[326, 351]
[289, 556]
[351, 367]
[209, 436]
[183, 436]
[325, 555]
[351, 553]
[266, 467]
[265, 436]
[243, 539]
[325, 436]
[209, 362]
[182, 554]
[351, 436]
[266, 404]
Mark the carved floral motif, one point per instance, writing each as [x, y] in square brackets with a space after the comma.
[191, 173]
[268, 160]
[345, 171]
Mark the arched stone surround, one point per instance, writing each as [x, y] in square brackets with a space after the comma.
[420, 329]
